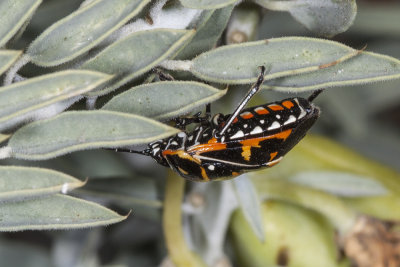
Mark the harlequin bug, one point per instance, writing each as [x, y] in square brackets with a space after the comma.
[227, 145]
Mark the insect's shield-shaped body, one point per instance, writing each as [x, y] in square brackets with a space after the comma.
[258, 137]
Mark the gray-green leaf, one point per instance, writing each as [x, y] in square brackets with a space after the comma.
[363, 68]
[324, 17]
[13, 14]
[163, 100]
[206, 4]
[35, 98]
[238, 64]
[251, 205]
[340, 183]
[82, 30]
[7, 58]
[136, 54]
[54, 212]
[18, 183]
[79, 130]
[208, 30]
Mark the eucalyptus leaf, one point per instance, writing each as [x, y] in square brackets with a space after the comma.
[250, 204]
[7, 58]
[136, 54]
[18, 183]
[79, 130]
[81, 30]
[163, 100]
[238, 63]
[34, 98]
[363, 68]
[13, 15]
[54, 212]
[340, 183]
[324, 17]
[208, 30]
[138, 191]
[206, 4]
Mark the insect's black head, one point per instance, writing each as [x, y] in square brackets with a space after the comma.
[307, 116]
[155, 149]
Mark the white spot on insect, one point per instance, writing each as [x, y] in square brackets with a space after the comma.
[174, 143]
[64, 188]
[205, 134]
[211, 167]
[262, 121]
[181, 134]
[156, 150]
[238, 134]
[274, 125]
[229, 130]
[256, 130]
[245, 126]
[190, 138]
[302, 112]
[290, 120]
[278, 116]
[222, 139]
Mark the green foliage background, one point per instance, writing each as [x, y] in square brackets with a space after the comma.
[77, 77]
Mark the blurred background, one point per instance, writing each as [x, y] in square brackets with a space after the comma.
[365, 118]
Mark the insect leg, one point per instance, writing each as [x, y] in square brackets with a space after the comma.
[162, 75]
[315, 94]
[253, 90]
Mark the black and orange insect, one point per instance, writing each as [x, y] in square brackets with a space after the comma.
[227, 145]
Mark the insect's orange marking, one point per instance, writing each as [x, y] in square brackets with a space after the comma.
[235, 173]
[246, 115]
[235, 120]
[182, 154]
[274, 162]
[182, 171]
[213, 141]
[288, 104]
[261, 111]
[254, 142]
[273, 155]
[246, 152]
[204, 175]
[202, 148]
[275, 107]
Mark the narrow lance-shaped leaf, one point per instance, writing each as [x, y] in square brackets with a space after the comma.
[29, 99]
[163, 100]
[206, 4]
[7, 58]
[340, 183]
[136, 54]
[18, 183]
[250, 204]
[324, 17]
[78, 130]
[54, 212]
[363, 68]
[82, 30]
[238, 64]
[13, 15]
[208, 30]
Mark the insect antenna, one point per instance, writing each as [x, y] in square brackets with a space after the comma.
[145, 152]
[253, 90]
[315, 94]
